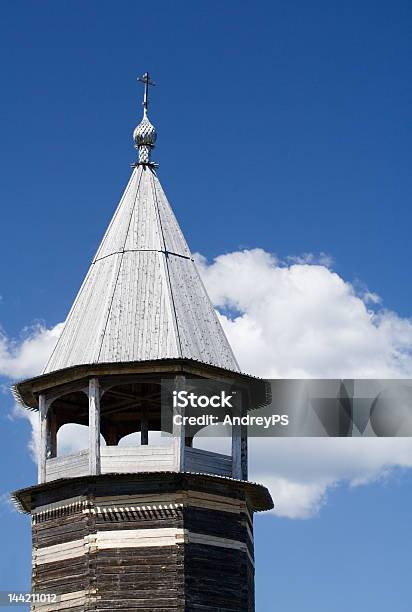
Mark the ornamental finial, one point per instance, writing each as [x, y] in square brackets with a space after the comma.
[145, 135]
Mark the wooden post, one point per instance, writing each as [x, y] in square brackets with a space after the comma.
[246, 403]
[179, 429]
[94, 426]
[236, 451]
[243, 452]
[52, 445]
[42, 439]
[239, 445]
[144, 425]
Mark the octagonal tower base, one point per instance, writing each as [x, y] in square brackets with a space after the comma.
[159, 541]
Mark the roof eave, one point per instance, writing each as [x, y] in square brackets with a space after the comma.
[258, 495]
[26, 392]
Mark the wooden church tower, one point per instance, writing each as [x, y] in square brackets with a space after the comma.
[139, 527]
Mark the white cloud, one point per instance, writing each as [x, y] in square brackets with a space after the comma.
[303, 320]
[300, 471]
[26, 357]
[290, 321]
[5, 503]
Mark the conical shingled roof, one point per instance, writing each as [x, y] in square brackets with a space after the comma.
[142, 298]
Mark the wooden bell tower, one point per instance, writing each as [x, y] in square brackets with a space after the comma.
[147, 526]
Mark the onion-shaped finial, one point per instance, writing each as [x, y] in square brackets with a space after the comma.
[145, 135]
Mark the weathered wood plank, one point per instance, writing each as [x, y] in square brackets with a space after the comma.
[42, 439]
[206, 453]
[183, 544]
[94, 426]
[179, 429]
[121, 451]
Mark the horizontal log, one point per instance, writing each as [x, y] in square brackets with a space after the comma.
[68, 458]
[139, 463]
[200, 452]
[136, 450]
[67, 601]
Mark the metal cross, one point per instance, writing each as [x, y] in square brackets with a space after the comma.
[146, 80]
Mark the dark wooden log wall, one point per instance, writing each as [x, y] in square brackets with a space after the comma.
[208, 569]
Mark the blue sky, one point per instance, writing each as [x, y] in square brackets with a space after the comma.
[282, 126]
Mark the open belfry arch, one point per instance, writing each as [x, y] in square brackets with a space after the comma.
[146, 526]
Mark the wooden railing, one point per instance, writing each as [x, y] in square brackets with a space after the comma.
[68, 466]
[121, 459]
[132, 459]
[207, 462]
